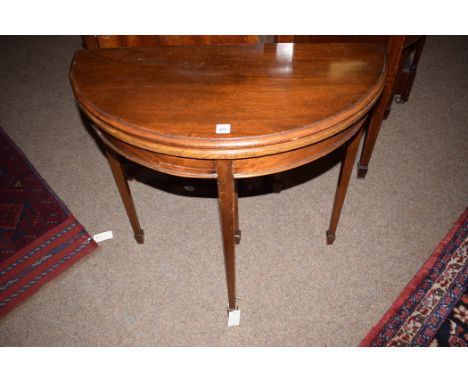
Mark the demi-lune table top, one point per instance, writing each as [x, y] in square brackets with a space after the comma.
[275, 97]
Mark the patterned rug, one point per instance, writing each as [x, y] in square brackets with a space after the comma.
[432, 310]
[39, 237]
[454, 331]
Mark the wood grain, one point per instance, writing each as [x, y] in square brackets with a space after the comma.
[227, 208]
[139, 41]
[276, 97]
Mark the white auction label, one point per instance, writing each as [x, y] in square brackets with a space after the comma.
[103, 236]
[234, 317]
[223, 128]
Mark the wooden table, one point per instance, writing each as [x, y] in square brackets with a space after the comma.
[229, 112]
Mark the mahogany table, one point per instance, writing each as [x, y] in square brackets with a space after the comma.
[229, 112]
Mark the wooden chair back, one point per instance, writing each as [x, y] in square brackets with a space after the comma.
[129, 41]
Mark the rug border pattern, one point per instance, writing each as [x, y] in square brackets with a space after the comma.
[48, 255]
[404, 311]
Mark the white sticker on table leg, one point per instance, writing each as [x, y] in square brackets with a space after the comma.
[234, 317]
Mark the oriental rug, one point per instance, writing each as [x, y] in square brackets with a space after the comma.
[432, 309]
[39, 237]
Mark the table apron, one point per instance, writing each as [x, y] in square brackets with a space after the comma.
[242, 168]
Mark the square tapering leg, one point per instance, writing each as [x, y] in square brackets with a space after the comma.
[237, 231]
[228, 211]
[394, 48]
[124, 190]
[343, 181]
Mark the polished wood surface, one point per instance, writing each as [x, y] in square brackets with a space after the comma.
[122, 185]
[243, 168]
[287, 105]
[394, 49]
[227, 208]
[139, 41]
[276, 96]
[400, 74]
[343, 181]
[401, 71]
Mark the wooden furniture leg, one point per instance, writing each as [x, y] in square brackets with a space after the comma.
[343, 181]
[125, 194]
[227, 208]
[394, 49]
[237, 231]
[410, 71]
[278, 182]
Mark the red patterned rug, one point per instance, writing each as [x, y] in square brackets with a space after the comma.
[433, 309]
[39, 237]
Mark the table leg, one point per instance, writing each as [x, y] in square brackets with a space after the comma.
[125, 194]
[418, 47]
[343, 181]
[237, 231]
[227, 207]
[278, 182]
[371, 136]
[394, 48]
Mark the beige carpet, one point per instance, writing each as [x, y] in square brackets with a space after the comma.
[297, 290]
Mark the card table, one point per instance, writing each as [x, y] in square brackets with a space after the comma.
[229, 112]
